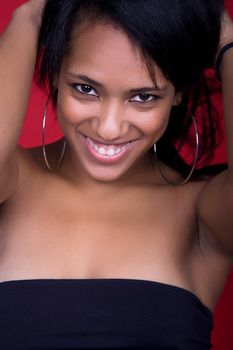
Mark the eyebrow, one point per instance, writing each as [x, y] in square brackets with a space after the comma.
[96, 83]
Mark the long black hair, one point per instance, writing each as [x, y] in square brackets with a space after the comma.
[180, 36]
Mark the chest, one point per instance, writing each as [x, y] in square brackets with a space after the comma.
[64, 233]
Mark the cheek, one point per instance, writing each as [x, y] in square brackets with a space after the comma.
[154, 123]
[71, 112]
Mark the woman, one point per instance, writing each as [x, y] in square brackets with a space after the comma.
[104, 245]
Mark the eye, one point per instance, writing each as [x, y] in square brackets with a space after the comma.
[85, 89]
[143, 97]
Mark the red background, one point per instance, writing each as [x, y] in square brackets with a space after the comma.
[31, 136]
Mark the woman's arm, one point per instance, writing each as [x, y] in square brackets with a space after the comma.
[18, 48]
[215, 205]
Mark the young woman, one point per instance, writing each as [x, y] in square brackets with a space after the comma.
[105, 241]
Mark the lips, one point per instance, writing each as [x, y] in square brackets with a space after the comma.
[107, 153]
[107, 150]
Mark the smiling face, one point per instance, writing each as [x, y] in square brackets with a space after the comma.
[108, 107]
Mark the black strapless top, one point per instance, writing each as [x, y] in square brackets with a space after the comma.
[101, 313]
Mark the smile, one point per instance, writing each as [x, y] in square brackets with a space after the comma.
[107, 153]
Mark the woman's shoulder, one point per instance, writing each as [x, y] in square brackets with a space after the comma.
[32, 169]
[174, 181]
[33, 158]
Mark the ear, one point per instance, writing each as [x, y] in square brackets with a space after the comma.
[178, 98]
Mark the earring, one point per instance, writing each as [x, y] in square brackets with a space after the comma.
[194, 162]
[43, 138]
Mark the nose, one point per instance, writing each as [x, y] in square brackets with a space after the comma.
[111, 122]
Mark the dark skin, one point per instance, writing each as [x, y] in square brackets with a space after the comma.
[88, 219]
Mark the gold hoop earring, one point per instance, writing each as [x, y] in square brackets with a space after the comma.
[194, 162]
[43, 139]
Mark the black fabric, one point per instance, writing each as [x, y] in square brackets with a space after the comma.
[101, 313]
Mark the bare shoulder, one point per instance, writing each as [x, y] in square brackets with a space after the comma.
[212, 258]
[28, 161]
[33, 159]
[187, 193]
[30, 165]
[14, 172]
[210, 261]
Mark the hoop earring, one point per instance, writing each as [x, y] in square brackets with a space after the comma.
[194, 162]
[43, 139]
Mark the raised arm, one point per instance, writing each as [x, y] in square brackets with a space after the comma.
[18, 46]
[215, 205]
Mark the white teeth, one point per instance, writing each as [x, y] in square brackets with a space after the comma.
[101, 151]
[109, 151]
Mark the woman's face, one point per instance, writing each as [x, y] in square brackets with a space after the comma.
[109, 109]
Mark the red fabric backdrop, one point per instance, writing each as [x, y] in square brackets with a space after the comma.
[31, 136]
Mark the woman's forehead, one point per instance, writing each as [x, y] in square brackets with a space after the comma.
[105, 49]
